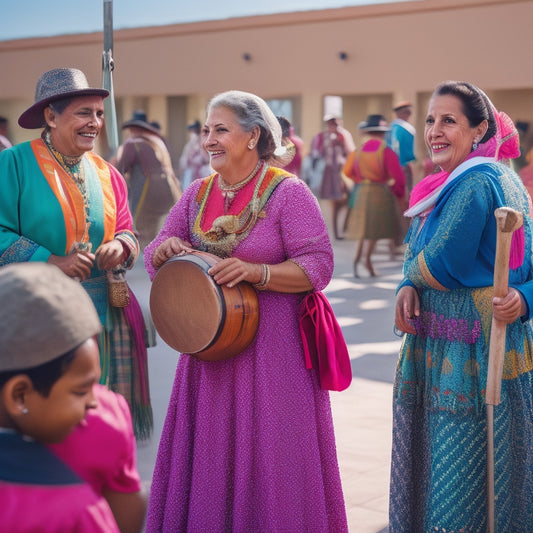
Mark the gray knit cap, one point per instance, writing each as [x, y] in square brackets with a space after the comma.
[44, 314]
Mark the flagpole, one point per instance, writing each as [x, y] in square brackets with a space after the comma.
[108, 66]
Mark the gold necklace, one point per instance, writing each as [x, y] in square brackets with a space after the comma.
[229, 191]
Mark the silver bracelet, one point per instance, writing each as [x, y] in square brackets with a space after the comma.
[265, 278]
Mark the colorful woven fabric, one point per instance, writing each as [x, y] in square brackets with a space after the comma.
[42, 212]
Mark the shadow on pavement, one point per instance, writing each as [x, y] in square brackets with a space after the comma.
[365, 367]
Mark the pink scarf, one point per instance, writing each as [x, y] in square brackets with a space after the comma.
[324, 346]
[503, 145]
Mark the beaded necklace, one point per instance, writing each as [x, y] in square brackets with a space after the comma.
[73, 166]
[229, 191]
[227, 231]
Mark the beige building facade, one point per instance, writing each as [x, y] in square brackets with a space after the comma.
[370, 56]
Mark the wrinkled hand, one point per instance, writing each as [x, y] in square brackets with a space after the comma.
[509, 308]
[75, 265]
[110, 254]
[232, 270]
[407, 307]
[169, 248]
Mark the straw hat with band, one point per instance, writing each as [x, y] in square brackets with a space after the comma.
[140, 120]
[374, 123]
[57, 84]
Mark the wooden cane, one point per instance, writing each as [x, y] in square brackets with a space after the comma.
[508, 221]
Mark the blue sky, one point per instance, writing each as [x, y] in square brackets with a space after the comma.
[28, 18]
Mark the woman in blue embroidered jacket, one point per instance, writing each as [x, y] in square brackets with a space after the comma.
[445, 305]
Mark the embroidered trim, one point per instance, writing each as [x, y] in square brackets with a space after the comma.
[21, 250]
[127, 238]
[452, 329]
[70, 197]
[427, 275]
[229, 230]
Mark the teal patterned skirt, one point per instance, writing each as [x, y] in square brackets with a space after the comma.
[438, 471]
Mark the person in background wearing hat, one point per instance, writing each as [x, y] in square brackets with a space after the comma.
[401, 139]
[379, 178]
[49, 364]
[329, 150]
[153, 188]
[4, 141]
[194, 160]
[63, 204]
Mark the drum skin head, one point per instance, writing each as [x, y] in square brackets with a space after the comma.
[195, 315]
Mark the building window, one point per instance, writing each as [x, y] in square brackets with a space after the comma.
[281, 107]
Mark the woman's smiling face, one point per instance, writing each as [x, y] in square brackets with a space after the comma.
[448, 134]
[227, 143]
[74, 131]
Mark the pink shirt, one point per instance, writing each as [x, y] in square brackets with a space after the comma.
[53, 509]
[102, 449]
[40, 493]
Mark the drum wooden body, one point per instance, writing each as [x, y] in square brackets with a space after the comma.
[195, 315]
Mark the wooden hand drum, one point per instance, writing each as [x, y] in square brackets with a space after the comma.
[195, 315]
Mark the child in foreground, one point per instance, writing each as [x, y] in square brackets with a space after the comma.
[49, 363]
[102, 450]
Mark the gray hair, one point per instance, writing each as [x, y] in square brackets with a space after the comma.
[251, 111]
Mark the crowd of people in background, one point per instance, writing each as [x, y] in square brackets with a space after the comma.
[154, 185]
[153, 188]
[248, 442]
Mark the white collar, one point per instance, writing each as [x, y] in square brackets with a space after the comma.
[428, 202]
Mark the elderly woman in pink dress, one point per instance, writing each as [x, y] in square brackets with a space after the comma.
[248, 443]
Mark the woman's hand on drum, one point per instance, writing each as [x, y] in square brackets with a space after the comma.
[232, 270]
[110, 254]
[169, 248]
[76, 265]
[509, 308]
[407, 307]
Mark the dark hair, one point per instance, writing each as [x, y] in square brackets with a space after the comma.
[43, 376]
[476, 105]
[60, 104]
[521, 126]
[285, 126]
[195, 126]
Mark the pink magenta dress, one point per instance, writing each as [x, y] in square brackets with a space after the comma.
[248, 443]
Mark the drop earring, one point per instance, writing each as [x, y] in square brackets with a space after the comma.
[474, 146]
